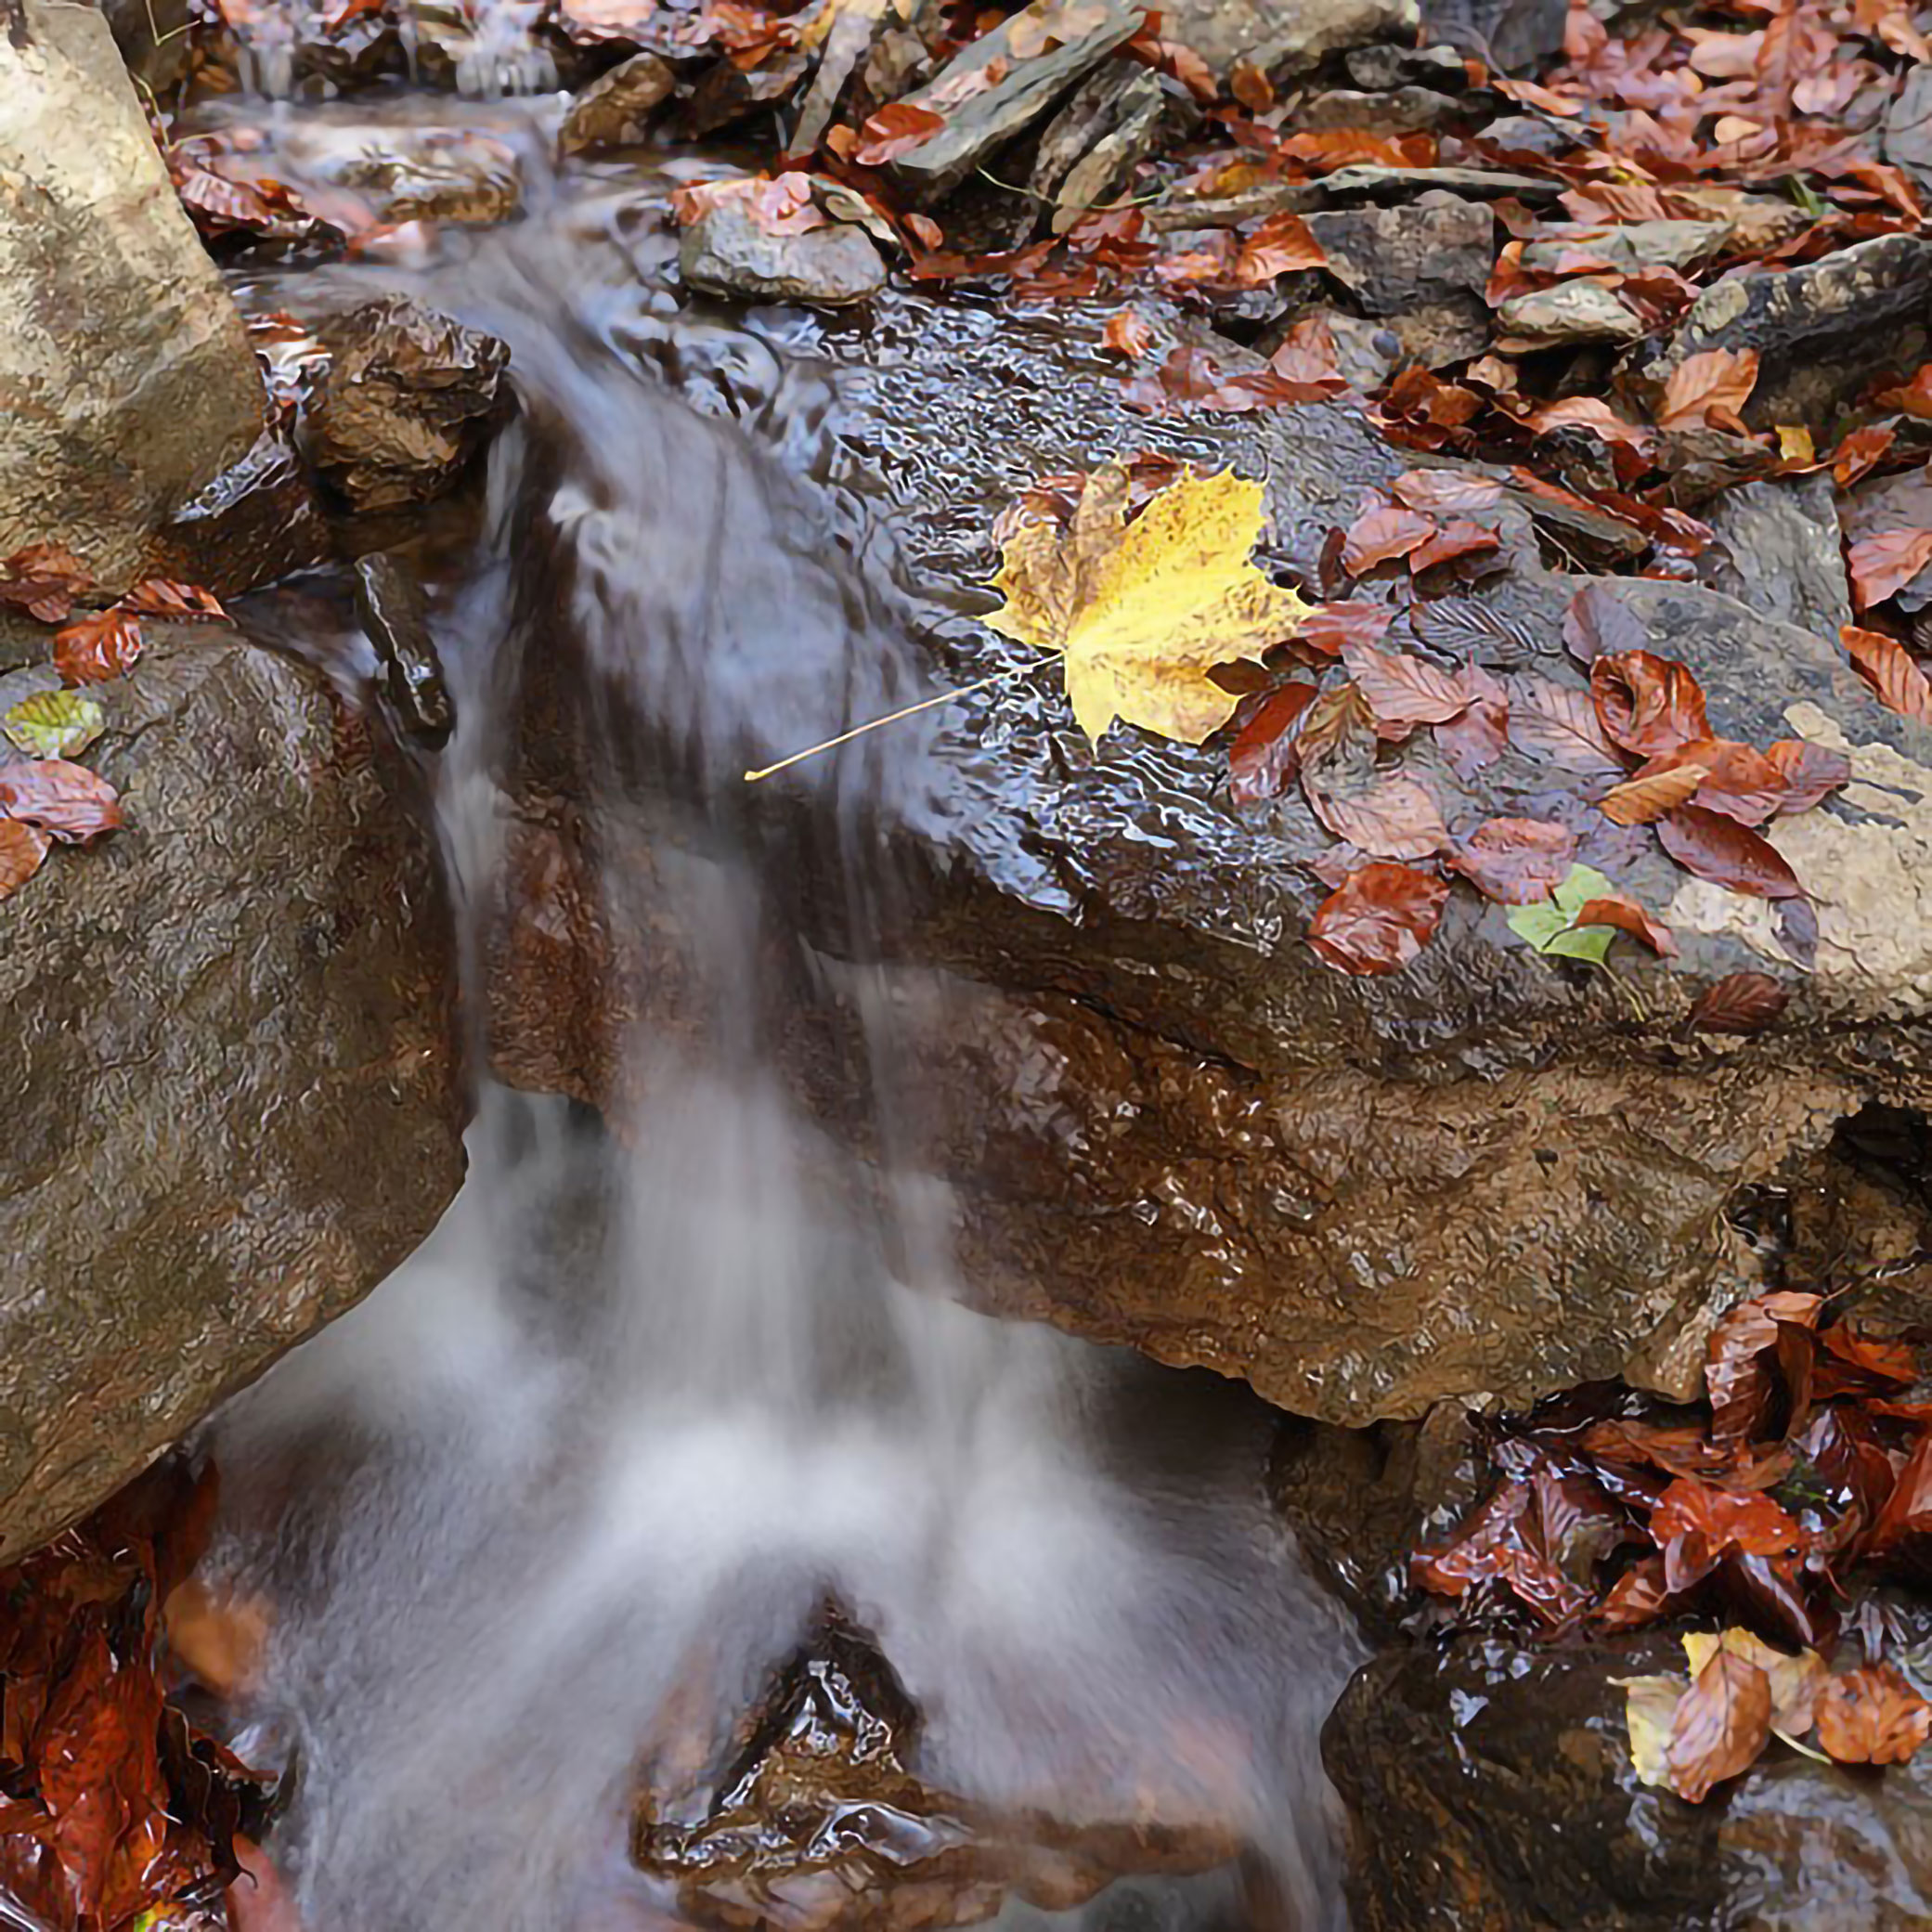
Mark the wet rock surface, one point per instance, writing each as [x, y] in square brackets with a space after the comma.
[616, 110]
[230, 1050]
[1492, 1786]
[727, 253]
[1420, 268]
[406, 404]
[128, 379]
[821, 1816]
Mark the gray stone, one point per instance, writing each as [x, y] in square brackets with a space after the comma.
[1378, 68]
[1515, 35]
[1281, 39]
[1633, 246]
[1823, 331]
[1398, 111]
[1420, 269]
[1784, 552]
[1093, 146]
[1369, 181]
[616, 110]
[726, 253]
[1571, 312]
[128, 382]
[233, 1096]
[405, 405]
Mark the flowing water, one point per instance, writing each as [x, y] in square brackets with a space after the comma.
[563, 1495]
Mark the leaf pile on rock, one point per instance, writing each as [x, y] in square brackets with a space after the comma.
[116, 1811]
[1690, 1734]
[1811, 1457]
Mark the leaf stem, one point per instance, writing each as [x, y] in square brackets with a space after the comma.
[858, 731]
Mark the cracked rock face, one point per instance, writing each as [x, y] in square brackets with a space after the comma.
[1157, 1118]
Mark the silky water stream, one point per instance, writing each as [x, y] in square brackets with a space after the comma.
[544, 1518]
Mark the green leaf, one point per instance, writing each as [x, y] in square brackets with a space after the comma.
[54, 724]
[1546, 923]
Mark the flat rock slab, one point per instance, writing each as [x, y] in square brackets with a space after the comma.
[229, 1051]
[725, 253]
[1491, 1786]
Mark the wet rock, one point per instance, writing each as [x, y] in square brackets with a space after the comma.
[128, 378]
[412, 172]
[1633, 247]
[616, 110]
[395, 612]
[1515, 35]
[1571, 312]
[1492, 1786]
[1823, 331]
[235, 1103]
[406, 402]
[254, 523]
[820, 1818]
[1784, 551]
[1284, 41]
[1420, 269]
[725, 253]
[1400, 111]
[1376, 68]
[153, 38]
[1367, 181]
[978, 127]
[1092, 146]
[485, 52]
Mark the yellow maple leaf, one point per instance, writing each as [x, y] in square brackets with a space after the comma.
[1142, 611]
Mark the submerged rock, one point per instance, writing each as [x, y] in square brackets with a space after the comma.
[233, 1096]
[405, 403]
[411, 172]
[128, 375]
[1492, 1786]
[725, 253]
[821, 1820]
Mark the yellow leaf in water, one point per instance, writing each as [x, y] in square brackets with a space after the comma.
[1794, 445]
[54, 724]
[1794, 1681]
[1650, 1709]
[1144, 610]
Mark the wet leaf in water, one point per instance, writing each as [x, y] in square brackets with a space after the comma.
[1719, 851]
[1598, 623]
[895, 130]
[1378, 919]
[1261, 760]
[1650, 1711]
[1514, 862]
[21, 851]
[1403, 691]
[1739, 1002]
[66, 802]
[1382, 532]
[1807, 773]
[1647, 704]
[163, 597]
[1872, 1716]
[51, 724]
[1548, 924]
[1552, 722]
[1448, 492]
[92, 650]
[1721, 1725]
[1396, 817]
[1327, 627]
[1458, 538]
[1143, 611]
[1127, 333]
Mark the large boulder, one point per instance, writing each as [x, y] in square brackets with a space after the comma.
[233, 1095]
[126, 380]
[1160, 1118]
[1492, 1786]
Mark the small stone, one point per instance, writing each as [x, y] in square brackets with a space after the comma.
[728, 253]
[1370, 182]
[1398, 110]
[1572, 312]
[1378, 68]
[1633, 246]
[616, 110]
[1420, 268]
[1284, 41]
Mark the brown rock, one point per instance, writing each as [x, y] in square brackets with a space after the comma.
[235, 1103]
[405, 405]
[1420, 269]
[616, 110]
[125, 374]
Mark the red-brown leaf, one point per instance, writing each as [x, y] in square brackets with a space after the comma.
[1448, 492]
[163, 597]
[1741, 1358]
[1383, 531]
[44, 579]
[1554, 721]
[1739, 1002]
[1404, 691]
[1884, 563]
[1328, 626]
[1626, 915]
[1458, 538]
[1807, 773]
[893, 131]
[1646, 798]
[1282, 245]
[1647, 704]
[1708, 389]
[66, 802]
[21, 851]
[1261, 761]
[1127, 333]
[1396, 817]
[1378, 919]
[1892, 670]
[1719, 849]
[91, 650]
[1726, 1519]
[1722, 1722]
[1514, 862]
[1872, 1716]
